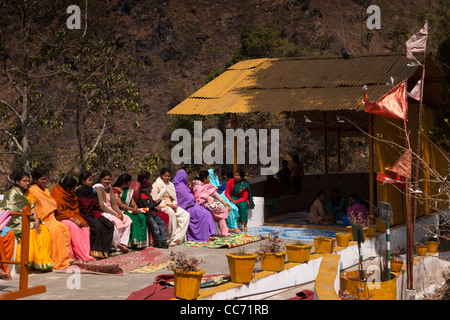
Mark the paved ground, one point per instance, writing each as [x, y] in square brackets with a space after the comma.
[60, 286]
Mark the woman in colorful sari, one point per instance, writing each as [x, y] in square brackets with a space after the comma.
[206, 195]
[238, 192]
[164, 191]
[201, 223]
[101, 229]
[110, 210]
[15, 199]
[233, 214]
[357, 212]
[69, 214]
[45, 207]
[126, 203]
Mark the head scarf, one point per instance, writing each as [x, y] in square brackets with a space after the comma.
[213, 179]
[67, 204]
[185, 198]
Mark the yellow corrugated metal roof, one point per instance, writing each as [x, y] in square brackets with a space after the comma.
[297, 84]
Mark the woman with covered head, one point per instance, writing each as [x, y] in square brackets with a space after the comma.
[164, 191]
[45, 207]
[206, 195]
[68, 213]
[125, 200]
[233, 214]
[201, 223]
[15, 199]
[110, 210]
[238, 192]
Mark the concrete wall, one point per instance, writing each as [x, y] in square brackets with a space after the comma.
[346, 182]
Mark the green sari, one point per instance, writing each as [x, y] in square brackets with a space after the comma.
[244, 205]
[138, 231]
[15, 200]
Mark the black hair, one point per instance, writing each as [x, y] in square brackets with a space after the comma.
[295, 157]
[142, 175]
[284, 162]
[123, 178]
[320, 192]
[103, 174]
[83, 176]
[68, 183]
[38, 173]
[18, 175]
[164, 171]
[354, 196]
[202, 175]
[241, 173]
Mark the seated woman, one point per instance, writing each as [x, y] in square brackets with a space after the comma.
[201, 224]
[101, 229]
[233, 214]
[337, 205]
[318, 211]
[154, 221]
[238, 192]
[68, 213]
[164, 190]
[110, 210]
[136, 184]
[206, 195]
[357, 212]
[124, 199]
[45, 207]
[15, 199]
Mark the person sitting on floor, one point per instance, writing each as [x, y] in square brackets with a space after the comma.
[318, 211]
[125, 201]
[206, 195]
[110, 210]
[68, 213]
[337, 205]
[101, 229]
[357, 212]
[154, 221]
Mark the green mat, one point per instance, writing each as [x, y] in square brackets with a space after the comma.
[234, 240]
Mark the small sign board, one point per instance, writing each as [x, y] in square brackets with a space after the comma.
[357, 231]
[385, 212]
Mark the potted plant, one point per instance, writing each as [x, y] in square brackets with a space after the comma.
[298, 252]
[324, 244]
[187, 274]
[432, 244]
[421, 248]
[272, 254]
[343, 238]
[396, 262]
[241, 265]
[354, 287]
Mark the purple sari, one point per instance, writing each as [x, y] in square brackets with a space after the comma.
[201, 223]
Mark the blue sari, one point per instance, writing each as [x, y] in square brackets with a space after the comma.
[234, 213]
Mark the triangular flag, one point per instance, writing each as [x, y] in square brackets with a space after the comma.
[415, 92]
[392, 104]
[403, 165]
[418, 42]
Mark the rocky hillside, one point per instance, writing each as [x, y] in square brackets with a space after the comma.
[179, 41]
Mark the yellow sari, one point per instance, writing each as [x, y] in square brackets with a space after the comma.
[40, 243]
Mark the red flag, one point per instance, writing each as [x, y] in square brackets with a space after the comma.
[392, 178]
[403, 165]
[392, 104]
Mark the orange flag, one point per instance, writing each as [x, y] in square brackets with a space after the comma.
[403, 165]
[392, 104]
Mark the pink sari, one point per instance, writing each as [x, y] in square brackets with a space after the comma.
[204, 195]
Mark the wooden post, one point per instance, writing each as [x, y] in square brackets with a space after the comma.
[23, 291]
[371, 164]
[325, 151]
[339, 150]
[234, 124]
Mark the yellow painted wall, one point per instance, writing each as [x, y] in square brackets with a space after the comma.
[386, 156]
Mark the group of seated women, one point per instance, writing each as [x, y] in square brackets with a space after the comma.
[338, 210]
[82, 220]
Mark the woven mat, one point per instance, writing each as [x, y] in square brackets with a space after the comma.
[123, 263]
[234, 240]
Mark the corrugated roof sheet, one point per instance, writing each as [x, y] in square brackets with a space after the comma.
[297, 84]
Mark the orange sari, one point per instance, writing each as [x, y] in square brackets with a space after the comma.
[45, 207]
